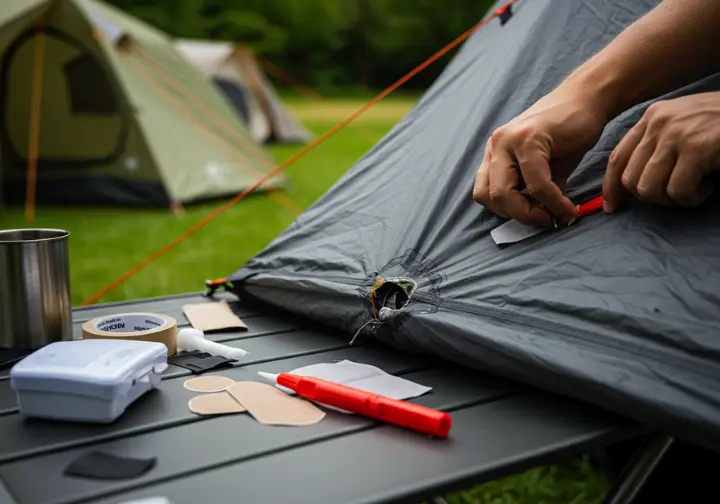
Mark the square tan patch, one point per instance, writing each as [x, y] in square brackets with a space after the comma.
[212, 316]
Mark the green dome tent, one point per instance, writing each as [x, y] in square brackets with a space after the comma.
[98, 107]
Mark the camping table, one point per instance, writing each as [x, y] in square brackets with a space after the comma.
[499, 428]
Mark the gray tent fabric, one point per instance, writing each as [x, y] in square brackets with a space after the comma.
[618, 310]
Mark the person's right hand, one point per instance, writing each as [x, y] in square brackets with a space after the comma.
[539, 149]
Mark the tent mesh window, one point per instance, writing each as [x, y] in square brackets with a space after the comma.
[89, 88]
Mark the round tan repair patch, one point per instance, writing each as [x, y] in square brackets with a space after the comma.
[220, 403]
[208, 383]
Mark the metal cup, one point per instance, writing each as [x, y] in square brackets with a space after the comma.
[35, 304]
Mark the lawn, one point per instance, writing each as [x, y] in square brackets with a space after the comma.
[105, 242]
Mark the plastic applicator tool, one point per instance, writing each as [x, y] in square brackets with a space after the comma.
[355, 400]
[189, 339]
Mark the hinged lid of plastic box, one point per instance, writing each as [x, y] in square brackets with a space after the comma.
[101, 368]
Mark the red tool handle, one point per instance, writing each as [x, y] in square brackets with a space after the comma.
[402, 413]
[590, 207]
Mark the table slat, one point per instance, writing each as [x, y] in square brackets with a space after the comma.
[260, 325]
[388, 464]
[189, 448]
[272, 347]
[167, 406]
[257, 326]
[5, 497]
[498, 428]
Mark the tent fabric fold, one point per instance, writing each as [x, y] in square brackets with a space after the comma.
[618, 310]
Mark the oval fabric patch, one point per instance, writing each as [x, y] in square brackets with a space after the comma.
[219, 403]
[208, 383]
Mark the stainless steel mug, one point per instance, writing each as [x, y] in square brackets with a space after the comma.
[35, 304]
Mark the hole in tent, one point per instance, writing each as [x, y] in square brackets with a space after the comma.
[395, 293]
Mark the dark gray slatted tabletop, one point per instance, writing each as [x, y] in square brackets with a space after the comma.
[498, 428]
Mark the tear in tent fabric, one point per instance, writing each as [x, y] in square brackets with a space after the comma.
[234, 70]
[620, 310]
[121, 117]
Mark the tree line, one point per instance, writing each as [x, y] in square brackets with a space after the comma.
[327, 44]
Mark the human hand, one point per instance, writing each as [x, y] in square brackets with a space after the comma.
[538, 149]
[665, 156]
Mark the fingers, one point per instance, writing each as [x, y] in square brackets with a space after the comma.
[496, 186]
[481, 190]
[638, 165]
[613, 189]
[504, 180]
[652, 184]
[540, 184]
[685, 185]
[647, 165]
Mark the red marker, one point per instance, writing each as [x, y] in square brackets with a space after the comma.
[588, 208]
[402, 413]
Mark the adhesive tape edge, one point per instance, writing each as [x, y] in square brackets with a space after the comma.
[166, 333]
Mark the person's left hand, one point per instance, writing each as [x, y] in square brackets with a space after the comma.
[665, 156]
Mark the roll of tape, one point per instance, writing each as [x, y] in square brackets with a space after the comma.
[135, 326]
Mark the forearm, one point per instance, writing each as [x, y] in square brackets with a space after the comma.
[676, 43]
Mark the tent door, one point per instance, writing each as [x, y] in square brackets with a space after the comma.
[237, 95]
[81, 121]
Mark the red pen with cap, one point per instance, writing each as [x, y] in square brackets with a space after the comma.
[401, 413]
[588, 208]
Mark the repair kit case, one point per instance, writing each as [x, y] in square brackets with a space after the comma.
[87, 380]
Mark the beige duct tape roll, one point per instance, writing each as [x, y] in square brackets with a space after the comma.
[135, 326]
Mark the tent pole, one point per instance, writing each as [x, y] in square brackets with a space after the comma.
[177, 209]
[285, 78]
[34, 130]
[245, 58]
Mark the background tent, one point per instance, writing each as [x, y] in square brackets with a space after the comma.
[112, 112]
[234, 70]
[620, 310]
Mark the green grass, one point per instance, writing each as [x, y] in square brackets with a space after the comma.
[573, 483]
[105, 242]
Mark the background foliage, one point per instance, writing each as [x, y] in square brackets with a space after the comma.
[327, 44]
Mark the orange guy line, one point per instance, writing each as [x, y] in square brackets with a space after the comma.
[289, 205]
[209, 218]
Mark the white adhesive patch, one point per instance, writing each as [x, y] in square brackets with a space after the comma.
[513, 231]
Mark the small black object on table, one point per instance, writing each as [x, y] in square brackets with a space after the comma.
[499, 428]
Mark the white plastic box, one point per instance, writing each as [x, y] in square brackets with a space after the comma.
[92, 380]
